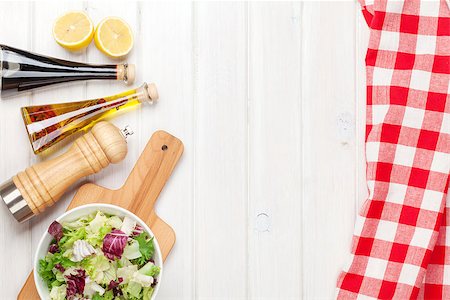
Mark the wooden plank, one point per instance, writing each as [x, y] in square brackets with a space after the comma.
[328, 114]
[15, 244]
[166, 59]
[220, 177]
[275, 231]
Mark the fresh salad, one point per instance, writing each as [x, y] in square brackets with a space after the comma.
[100, 257]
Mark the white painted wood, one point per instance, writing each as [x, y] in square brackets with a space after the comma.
[220, 158]
[15, 243]
[275, 193]
[269, 101]
[328, 114]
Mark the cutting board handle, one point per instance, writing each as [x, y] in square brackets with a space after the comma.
[151, 172]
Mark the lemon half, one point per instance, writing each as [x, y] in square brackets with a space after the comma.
[113, 36]
[73, 30]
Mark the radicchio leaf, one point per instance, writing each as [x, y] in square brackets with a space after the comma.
[56, 230]
[114, 243]
[53, 248]
[155, 282]
[75, 284]
[114, 286]
[137, 230]
[60, 268]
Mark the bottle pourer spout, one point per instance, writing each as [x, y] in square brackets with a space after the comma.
[127, 131]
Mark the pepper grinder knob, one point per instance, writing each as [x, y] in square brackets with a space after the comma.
[127, 131]
[40, 186]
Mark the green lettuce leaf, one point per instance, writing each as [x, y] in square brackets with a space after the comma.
[97, 297]
[150, 269]
[126, 273]
[97, 222]
[108, 295]
[123, 262]
[147, 293]
[132, 251]
[81, 222]
[70, 236]
[110, 274]
[142, 279]
[96, 238]
[114, 222]
[96, 266]
[133, 289]
[146, 248]
[45, 271]
[47, 267]
[59, 276]
[58, 292]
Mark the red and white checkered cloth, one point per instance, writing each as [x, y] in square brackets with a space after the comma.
[401, 242]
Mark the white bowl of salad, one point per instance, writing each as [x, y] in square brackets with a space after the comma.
[99, 252]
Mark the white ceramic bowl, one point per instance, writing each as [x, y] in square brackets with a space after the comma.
[76, 213]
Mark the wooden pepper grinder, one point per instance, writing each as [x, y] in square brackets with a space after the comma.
[30, 192]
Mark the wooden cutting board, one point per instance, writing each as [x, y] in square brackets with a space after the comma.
[138, 194]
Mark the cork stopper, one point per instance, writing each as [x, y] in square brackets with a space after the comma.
[152, 92]
[126, 72]
[131, 73]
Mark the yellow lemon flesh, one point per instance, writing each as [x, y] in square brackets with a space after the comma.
[73, 30]
[114, 37]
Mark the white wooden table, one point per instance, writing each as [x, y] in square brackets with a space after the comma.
[268, 99]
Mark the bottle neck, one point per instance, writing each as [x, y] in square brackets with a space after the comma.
[122, 73]
[84, 72]
[89, 71]
[147, 93]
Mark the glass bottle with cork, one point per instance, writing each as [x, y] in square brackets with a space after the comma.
[49, 124]
[22, 71]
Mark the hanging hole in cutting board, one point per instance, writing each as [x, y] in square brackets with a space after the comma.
[164, 147]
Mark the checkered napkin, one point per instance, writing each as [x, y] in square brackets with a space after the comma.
[401, 243]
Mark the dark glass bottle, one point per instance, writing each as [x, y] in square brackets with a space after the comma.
[22, 71]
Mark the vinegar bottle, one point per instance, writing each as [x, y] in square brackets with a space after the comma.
[49, 124]
[22, 71]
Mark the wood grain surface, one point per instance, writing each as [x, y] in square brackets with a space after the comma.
[138, 194]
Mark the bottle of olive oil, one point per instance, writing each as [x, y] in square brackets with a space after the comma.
[49, 124]
[21, 70]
